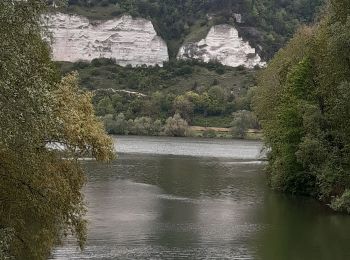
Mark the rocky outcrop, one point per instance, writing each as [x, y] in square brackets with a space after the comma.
[135, 42]
[223, 45]
[129, 41]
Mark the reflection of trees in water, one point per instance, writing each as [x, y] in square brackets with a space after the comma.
[300, 228]
[175, 227]
[193, 177]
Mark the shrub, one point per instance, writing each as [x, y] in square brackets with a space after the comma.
[210, 133]
[183, 107]
[243, 120]
[103, 61]
[342, 203]
[157, 127]
[104, 107]
[176, 126]
[117, 125]
[142, 126]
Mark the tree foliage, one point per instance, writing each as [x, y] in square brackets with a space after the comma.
[176, 126]
[40, 188]
[243, 121]
[303, 105]
[159, 93]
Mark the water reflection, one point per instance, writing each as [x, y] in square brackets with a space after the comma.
[300, 228]
[173, 207]
[163, 207]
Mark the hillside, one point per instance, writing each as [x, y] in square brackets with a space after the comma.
[204, 94]
[266, 24]
[174, 77]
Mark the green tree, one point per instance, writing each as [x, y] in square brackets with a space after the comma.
[176, 126]
[218, 93]
[183, 107]
[40, 190]
[302, 101]
[143, 126]
[105, 107]
[243, 121]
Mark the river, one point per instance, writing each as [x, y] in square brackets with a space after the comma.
[182, 198]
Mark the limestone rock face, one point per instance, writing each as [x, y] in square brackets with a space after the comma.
[222, 44]
[129, 41]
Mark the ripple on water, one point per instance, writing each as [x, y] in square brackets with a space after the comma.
[156, 253]
[197, 206]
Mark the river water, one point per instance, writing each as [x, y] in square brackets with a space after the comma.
[181, 198]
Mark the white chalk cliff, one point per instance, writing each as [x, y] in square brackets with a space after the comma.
[135, 42]
[129, 41]
[222, 44]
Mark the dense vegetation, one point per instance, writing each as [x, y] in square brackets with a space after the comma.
[303, 105]
[40, 187]
[266, 24]
[174, 77]
[202, 94]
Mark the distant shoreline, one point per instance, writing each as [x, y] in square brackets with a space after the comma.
[201, 132]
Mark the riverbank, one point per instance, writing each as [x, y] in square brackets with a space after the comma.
[221, 132]
[207, 132]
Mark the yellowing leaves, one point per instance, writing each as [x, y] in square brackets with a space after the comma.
[79, 129]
